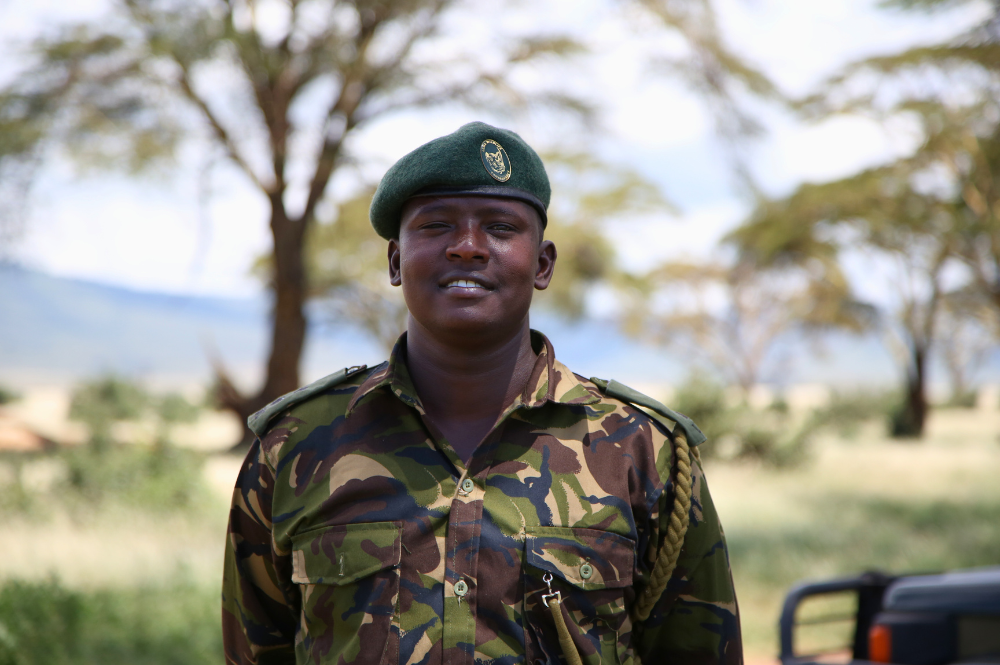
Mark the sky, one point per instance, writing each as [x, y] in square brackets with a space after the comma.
[183, 232]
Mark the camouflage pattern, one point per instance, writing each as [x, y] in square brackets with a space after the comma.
[358, 535]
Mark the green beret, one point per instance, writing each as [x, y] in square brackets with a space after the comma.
[476, 160]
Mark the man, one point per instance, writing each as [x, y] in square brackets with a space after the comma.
[471, 500]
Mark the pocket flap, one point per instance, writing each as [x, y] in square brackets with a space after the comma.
[564, 552]
[345, 553]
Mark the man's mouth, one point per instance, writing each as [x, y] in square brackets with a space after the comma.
[465, 284]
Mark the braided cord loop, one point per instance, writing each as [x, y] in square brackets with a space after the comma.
[666, 559]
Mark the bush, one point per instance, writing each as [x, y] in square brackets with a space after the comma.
[7, 395]
[847, 411]
[704, 402]
[772, 437]
[99, 404]
[966, 399]
[44, 623]
[158, 478]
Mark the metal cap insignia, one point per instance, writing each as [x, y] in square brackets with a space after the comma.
[495, 160]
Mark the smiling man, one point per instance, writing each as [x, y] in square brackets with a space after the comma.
[471, 500]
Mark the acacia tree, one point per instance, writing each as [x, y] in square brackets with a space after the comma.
[122, 92]
[734, 316]
[967, 332]
[879, 212]
[926, 212]
[129, 90]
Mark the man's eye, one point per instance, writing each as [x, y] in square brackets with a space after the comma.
[502, 227]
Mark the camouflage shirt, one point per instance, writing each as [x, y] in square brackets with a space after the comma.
[358, 535]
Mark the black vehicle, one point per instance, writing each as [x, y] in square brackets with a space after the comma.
[910, 620]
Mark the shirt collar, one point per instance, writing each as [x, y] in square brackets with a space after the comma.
[549, 381]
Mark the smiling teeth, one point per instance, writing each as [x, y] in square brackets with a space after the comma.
[465, 283]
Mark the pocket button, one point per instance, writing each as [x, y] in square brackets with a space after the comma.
[586, 571]
[461, 588]
[468, 485]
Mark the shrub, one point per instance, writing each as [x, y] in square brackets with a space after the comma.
[158, 478]
[7, 395]
[44, 623]
[772, 437]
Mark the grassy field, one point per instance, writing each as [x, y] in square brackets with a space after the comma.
[90, 580]
[860, 504]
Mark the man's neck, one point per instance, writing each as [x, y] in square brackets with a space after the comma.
[464, 388]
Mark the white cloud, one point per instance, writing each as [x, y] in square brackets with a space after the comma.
[831, 149]
[693, 236]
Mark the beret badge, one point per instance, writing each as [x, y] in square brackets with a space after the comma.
[495, 160]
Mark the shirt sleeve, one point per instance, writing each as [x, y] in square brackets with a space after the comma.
[258, 623]
[696, 620]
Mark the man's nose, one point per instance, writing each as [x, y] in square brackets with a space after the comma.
[469, 244]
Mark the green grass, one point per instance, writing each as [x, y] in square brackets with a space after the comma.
[45, 623]
[854, 504]
[849, 534]
[860, 504]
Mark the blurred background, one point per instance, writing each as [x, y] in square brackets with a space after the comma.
[778, 217]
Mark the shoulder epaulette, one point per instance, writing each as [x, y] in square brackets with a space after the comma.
[620, 391]
[259, 422]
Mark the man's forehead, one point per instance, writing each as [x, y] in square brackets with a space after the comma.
[429, 204]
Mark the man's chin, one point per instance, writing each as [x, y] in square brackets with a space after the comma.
[473, 329]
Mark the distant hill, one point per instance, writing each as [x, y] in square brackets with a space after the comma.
[55, 330]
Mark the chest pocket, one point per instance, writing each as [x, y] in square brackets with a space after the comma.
[592, 571]
[349, 577]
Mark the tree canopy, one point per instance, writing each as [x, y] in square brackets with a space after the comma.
[277, 88]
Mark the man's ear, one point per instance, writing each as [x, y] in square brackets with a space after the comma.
[395, 276]
[546, 264]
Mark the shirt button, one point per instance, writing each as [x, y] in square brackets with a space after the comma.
[586, 571]
[468, 485]
[461, 588]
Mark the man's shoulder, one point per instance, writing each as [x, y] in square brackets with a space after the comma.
[615, 392]
[325, 399]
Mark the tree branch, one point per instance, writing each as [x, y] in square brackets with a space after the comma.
[219, 130]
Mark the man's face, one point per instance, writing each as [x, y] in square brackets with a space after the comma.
[468, 265]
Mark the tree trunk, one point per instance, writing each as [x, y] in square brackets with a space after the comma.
[288, 324]
[908, 421]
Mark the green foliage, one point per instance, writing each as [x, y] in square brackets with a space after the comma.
[108, 399]
[775, 438]
[930, 212]
[923, 5]
[846, 412]
[156, 478]
[100, 403]
[704, 401]
[8, 395]
[904, 423]
[15, 498]
[175, 408]
[45, 623]
[966, 399]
